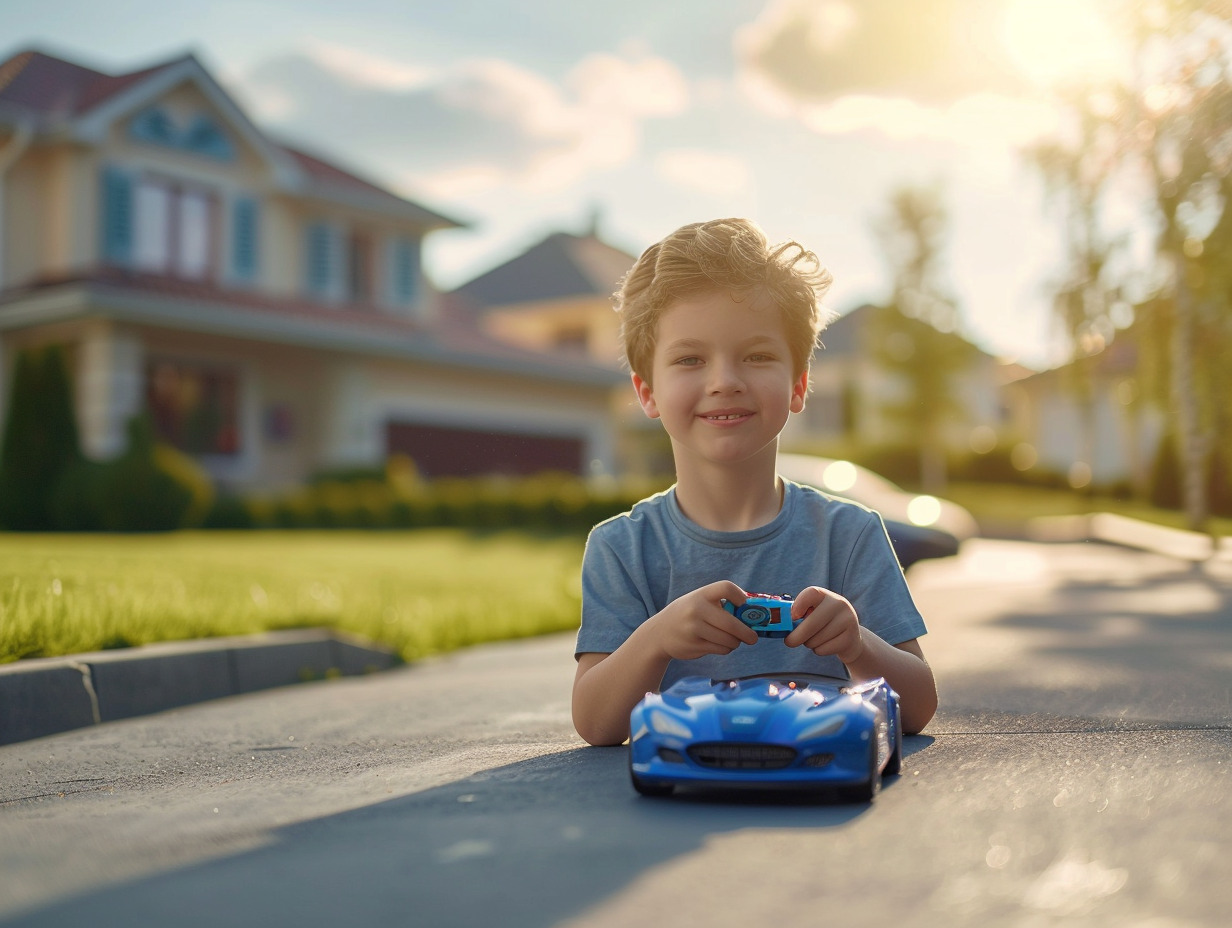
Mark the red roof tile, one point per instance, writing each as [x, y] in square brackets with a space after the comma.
[50, 85]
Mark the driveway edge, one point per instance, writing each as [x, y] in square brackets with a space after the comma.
[43, 696]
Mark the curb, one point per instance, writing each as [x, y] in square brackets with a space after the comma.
[1130, 533]
[43, 696]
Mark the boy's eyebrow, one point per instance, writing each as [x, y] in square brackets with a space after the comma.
[691, 344]
[684, 344]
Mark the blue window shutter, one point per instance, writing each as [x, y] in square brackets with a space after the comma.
[406, 270]
[318, 266]
[117, 216]
[244, 238]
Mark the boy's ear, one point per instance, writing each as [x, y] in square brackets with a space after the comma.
[799, 391]
[645, 396]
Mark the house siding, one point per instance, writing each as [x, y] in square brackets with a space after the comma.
[312, 388]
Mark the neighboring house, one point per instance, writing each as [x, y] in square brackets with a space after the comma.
[850, 391]
[1115, 434]
[265, 306]
[556, 296]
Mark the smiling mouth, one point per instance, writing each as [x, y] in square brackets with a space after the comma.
[726, 416]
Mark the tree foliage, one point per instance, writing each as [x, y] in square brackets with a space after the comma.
[914, 336]
[1167, 133]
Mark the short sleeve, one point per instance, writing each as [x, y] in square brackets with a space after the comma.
[873, 582]
[614, 600]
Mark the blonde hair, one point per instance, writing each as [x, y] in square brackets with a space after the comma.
[731, 255]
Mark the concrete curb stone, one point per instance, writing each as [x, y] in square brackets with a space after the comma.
[43, 696]
[1130, 533]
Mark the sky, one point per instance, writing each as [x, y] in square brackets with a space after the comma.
[531, 117]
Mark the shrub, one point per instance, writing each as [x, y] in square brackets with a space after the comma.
[40, 439]
[151, 487]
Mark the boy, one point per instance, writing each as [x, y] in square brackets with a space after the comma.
[719, 330]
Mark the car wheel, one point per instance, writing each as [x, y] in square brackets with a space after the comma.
[868, 790]
[647, 788]
[895, 764]
[653, 790]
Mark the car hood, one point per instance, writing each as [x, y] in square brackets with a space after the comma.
[750, 708]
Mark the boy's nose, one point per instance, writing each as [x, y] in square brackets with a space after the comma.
[724, 379]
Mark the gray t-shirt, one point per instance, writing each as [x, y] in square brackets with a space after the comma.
[638, 562]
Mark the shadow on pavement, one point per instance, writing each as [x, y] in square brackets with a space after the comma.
[1110, 655]
[531, 843]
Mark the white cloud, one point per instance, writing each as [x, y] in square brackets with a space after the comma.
[366, 69]
[645, 86]
[479, 124]
[977, 120]
[707, 171]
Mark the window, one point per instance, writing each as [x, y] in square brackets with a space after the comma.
[244, 239]
[202, 135]
[173, 229]
[575, 339]
[404, 266]
[319, 260]
[195, 408]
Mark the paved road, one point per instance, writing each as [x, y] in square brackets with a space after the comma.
[1077, 774]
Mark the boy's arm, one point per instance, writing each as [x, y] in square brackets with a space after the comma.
[905, 669]
[608, 686]
[829, 626]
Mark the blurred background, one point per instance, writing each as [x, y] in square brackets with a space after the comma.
[273, 263]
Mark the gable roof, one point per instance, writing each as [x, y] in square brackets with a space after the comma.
[559, 267]
[49, 86]
[56, 94]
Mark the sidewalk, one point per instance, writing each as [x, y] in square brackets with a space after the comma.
[43, 696]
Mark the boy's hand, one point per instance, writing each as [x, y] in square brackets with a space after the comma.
[828, 625]
[697, 624]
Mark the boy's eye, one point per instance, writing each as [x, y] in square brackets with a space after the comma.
[689, 361]
[761, 357]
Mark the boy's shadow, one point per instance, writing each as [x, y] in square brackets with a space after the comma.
[531, 843]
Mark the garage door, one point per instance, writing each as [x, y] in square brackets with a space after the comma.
[443, 451]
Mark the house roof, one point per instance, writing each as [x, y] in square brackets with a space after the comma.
[52, 92]
[50, 86]
[559, 267]
[174, 303]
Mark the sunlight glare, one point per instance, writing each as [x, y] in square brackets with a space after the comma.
[1058, 42]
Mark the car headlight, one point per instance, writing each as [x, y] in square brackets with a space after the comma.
[924, 510]
[829, 727]
[664, 724]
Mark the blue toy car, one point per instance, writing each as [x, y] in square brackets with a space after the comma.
[793, 731]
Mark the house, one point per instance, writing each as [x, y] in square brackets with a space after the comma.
[266, 306]
[851, 389]
[556, 297]
[1090, 420]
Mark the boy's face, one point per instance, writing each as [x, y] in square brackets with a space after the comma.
[722, 379]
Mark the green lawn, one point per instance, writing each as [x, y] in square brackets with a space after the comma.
[419, 592]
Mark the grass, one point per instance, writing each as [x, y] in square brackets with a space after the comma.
[418, 592]
[1011, 504]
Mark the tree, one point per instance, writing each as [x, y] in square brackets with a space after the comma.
[40, 439]
[1077, 170]
[1177, 120]
[914, 334]
[1166, 132]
